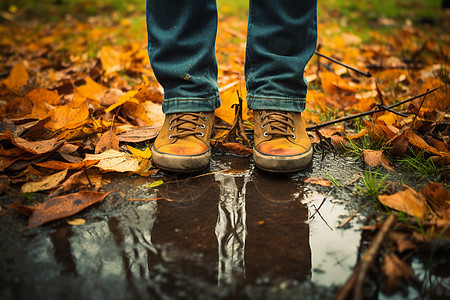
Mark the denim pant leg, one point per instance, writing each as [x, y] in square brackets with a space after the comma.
[181, 36]
[281, 39]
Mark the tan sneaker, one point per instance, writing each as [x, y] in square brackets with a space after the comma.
[281, 143]
[183, 144]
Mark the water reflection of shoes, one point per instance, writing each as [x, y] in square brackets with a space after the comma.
[281, 142]
[276, 187]
[183, 144]
[185, 189]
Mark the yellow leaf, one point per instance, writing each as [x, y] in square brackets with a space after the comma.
[76, 222]
[127, 97]
[113, 160]
[110, 59]
[155, 184]
[17, 78]
[146, 154]
[47, 183]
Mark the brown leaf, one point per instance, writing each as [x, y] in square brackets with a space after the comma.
[403, 241]
[48, 182]
[60, 165]
[418, 142]
[107, 141]
[395, 271]
[373, 158]
[338, 142]
[438, 198]
[139, 134]
[91, 90]
[63, 206]
[36, 147]
[399, 146]
[407, 201]
[319, 181]
[236, 148]
[17, 78]
[71, 182]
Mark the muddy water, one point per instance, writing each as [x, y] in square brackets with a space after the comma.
[235, 233]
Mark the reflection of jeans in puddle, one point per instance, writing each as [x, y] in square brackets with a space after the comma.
[256, 239]
[230, 237]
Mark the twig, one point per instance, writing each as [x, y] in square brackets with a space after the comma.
[367, 74]
[421, 103]
[356, 280]
[317, 209]
[352, 216]
[366, 113]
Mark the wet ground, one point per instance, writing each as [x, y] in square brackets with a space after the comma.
[232, 233]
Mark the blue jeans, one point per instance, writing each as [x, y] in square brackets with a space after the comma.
[281, 38]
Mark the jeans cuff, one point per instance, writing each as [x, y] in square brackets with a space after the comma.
[275, 103]
[179, 105]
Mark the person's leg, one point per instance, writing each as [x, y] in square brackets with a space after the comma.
[181, 37]
[281, 39]
[181, 46]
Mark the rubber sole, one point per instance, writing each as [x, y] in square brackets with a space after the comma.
[282, 164]
[181, 163]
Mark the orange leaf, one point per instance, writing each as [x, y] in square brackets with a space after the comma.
[43, 96]
[319, 181]
[47, 183]
[417, 141]
[36, 147]
[129, 96]
[69, 116]
[332, 83]
[60, 165]
[373, 158]
[17, 78]
[63, 206]
[236, 148]
[407, 201]
[107, 141]
[92, 90]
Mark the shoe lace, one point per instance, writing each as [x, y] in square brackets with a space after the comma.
[279, 123]
[185, 124]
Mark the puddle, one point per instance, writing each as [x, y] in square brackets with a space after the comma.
[243, 234]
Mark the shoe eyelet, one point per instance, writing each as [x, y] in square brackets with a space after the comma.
[205, 118]
[293, 129]
[263, 126]
[293, 136]
[201, 134]
[261, 119]
[170, 128]
[170, 137]
[170, 122]
[202, 126]
[266, 134]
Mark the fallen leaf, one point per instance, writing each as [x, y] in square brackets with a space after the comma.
[155, 184]
[129, 96]
[76, 222]
[417, 141]
[438, 199]
[319, 181]
[407, 201]
[395, 271]
[373, 158]
[35, 147]
[48, 182]
[145, 154]
[107, 141]
[236, 148]
[60, 165]
[63, 206]
[91, 90]
[113, 160]
[140, 134]
[17, 78]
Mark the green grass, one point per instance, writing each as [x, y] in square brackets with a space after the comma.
[373, 183]
[419, 165]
